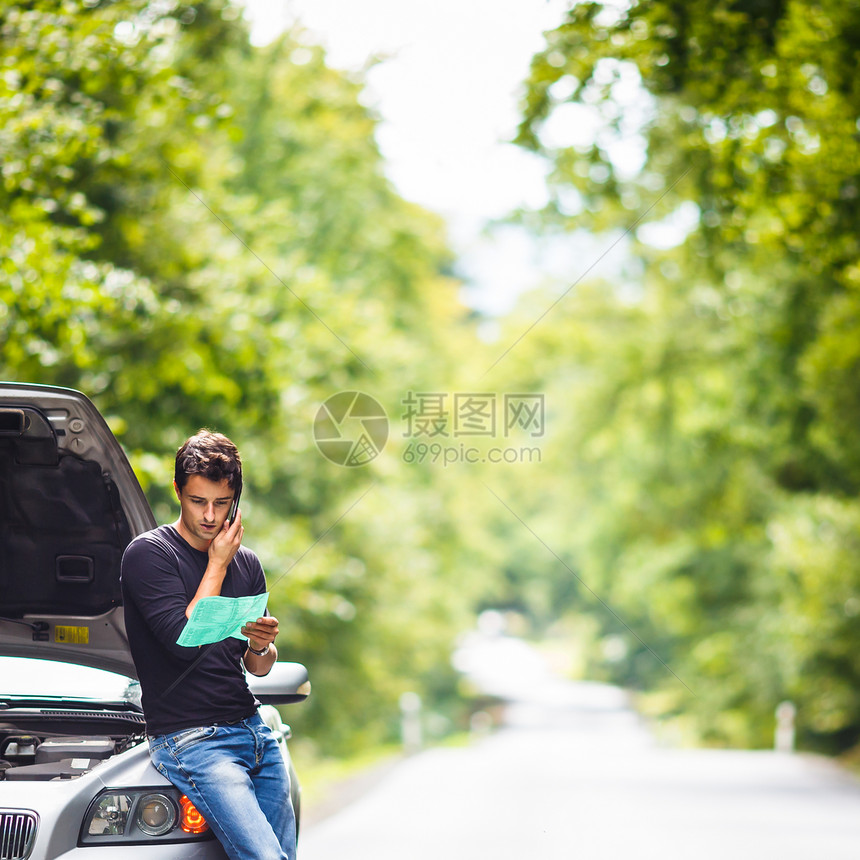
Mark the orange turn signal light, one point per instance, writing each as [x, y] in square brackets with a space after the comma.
[190, 819]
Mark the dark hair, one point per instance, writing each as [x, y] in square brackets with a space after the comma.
[211, 455]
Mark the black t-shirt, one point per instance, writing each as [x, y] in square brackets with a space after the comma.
[160, 575]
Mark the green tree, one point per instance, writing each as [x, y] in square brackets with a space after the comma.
[199, 232]
[717, 397]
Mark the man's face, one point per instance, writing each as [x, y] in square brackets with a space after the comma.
[204, 505]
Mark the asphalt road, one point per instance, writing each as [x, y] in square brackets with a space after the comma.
[575, 774]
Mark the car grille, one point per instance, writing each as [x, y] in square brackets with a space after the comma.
[17, 833]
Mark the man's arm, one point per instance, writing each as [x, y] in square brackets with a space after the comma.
[222, 549]
[151, 582]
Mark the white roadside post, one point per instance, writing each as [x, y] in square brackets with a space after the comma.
[410, 722]
[783, 739]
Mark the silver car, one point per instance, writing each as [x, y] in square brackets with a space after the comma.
[75, 774]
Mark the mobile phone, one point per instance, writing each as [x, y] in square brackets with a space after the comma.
[234, 507]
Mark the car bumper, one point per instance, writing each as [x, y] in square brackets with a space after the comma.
[210, 850]
[61, 805]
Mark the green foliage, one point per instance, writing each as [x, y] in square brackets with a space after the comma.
[714, 483]
[196, 233]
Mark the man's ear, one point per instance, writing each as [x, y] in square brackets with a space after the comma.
[177, 491]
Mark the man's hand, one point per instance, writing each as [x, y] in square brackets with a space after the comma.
[261, 634]
[227, 542]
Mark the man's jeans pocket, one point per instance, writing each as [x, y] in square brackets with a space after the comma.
[181, 740]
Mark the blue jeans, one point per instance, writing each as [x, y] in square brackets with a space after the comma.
[236, 777]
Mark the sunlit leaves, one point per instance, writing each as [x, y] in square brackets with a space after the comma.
[197, 233]
[717, 417]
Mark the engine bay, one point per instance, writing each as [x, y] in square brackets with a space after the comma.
[44, 746]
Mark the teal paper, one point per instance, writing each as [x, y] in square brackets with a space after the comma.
[216, 618]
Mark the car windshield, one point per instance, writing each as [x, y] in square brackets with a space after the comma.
[26, 676]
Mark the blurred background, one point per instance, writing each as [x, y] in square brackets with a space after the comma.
[598, 263]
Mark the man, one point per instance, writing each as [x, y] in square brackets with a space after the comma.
[205, 734]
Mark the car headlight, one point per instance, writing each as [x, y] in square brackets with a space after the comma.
[141, 815]
[156, 815]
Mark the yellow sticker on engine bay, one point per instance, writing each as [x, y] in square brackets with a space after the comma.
[72, 635]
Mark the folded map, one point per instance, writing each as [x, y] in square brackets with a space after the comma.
[217, 618]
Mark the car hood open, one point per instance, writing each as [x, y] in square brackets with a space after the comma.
[69, 505]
